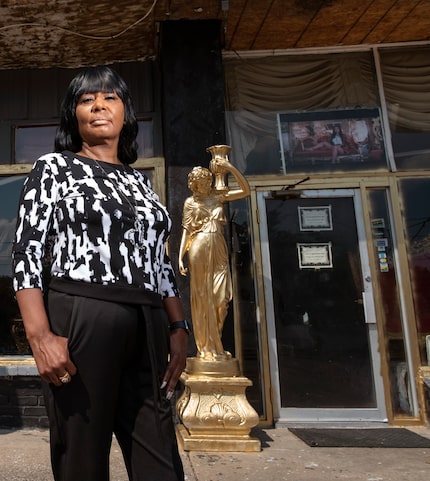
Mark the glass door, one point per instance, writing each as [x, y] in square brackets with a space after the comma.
[324, 358]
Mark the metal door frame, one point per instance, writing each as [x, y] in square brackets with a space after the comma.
[347, 415]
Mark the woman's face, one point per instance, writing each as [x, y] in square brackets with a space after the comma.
[100, 117]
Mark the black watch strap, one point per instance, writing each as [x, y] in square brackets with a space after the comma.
[180, 325]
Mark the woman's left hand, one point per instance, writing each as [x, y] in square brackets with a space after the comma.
[178, 358]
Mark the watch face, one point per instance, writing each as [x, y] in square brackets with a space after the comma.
[181, 325]
[186, 326]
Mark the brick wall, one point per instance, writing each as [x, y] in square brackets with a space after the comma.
[21, 403]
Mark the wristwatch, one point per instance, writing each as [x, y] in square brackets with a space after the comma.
[180, 325]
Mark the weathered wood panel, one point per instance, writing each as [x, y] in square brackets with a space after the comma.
[71, 33]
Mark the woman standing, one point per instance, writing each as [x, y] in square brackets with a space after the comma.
[203, 240]
[100, 335]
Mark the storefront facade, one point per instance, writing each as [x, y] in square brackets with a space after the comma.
[336, 240]
[331, 313]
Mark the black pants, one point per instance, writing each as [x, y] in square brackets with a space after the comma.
[112, 392]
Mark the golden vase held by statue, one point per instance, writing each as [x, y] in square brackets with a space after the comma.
[219, 153]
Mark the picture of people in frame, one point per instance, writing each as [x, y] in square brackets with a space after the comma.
[347, 140]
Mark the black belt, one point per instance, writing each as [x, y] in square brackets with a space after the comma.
[109, 292]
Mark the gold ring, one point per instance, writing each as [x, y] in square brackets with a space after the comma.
[65, 378]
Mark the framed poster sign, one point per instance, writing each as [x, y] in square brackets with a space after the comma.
[315, 255]
[315, 218]
[313, 139]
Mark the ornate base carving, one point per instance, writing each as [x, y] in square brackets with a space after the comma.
[214, 411]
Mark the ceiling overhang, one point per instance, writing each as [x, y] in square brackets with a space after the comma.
[74, 33]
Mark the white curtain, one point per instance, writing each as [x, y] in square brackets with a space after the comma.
[257, 89]
[406, 79]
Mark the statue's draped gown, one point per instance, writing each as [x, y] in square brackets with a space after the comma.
[210, 278]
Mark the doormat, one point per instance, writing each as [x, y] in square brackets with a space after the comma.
[361, 438]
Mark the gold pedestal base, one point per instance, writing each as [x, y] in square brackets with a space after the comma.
[214, 411]
[218, 443]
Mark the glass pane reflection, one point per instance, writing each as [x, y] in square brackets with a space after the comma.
[416, 210]
[10, 188]
[245, 302]
[32, 142]
[387, 282]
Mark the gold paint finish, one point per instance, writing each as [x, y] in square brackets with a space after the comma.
[214, 411]
[203, 243]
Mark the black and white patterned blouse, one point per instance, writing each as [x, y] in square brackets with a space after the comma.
[87, 210]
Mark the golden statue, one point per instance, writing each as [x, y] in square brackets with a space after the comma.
[213, 408]
[204, 242]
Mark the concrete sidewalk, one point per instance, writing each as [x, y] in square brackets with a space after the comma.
[24, 456]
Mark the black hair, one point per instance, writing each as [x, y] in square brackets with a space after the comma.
[340, 133]
[92, 80]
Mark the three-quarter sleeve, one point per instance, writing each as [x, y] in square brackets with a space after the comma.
[34, 220]
[168, 286]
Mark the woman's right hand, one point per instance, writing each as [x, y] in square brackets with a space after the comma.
[50, 352]
[51, 355]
